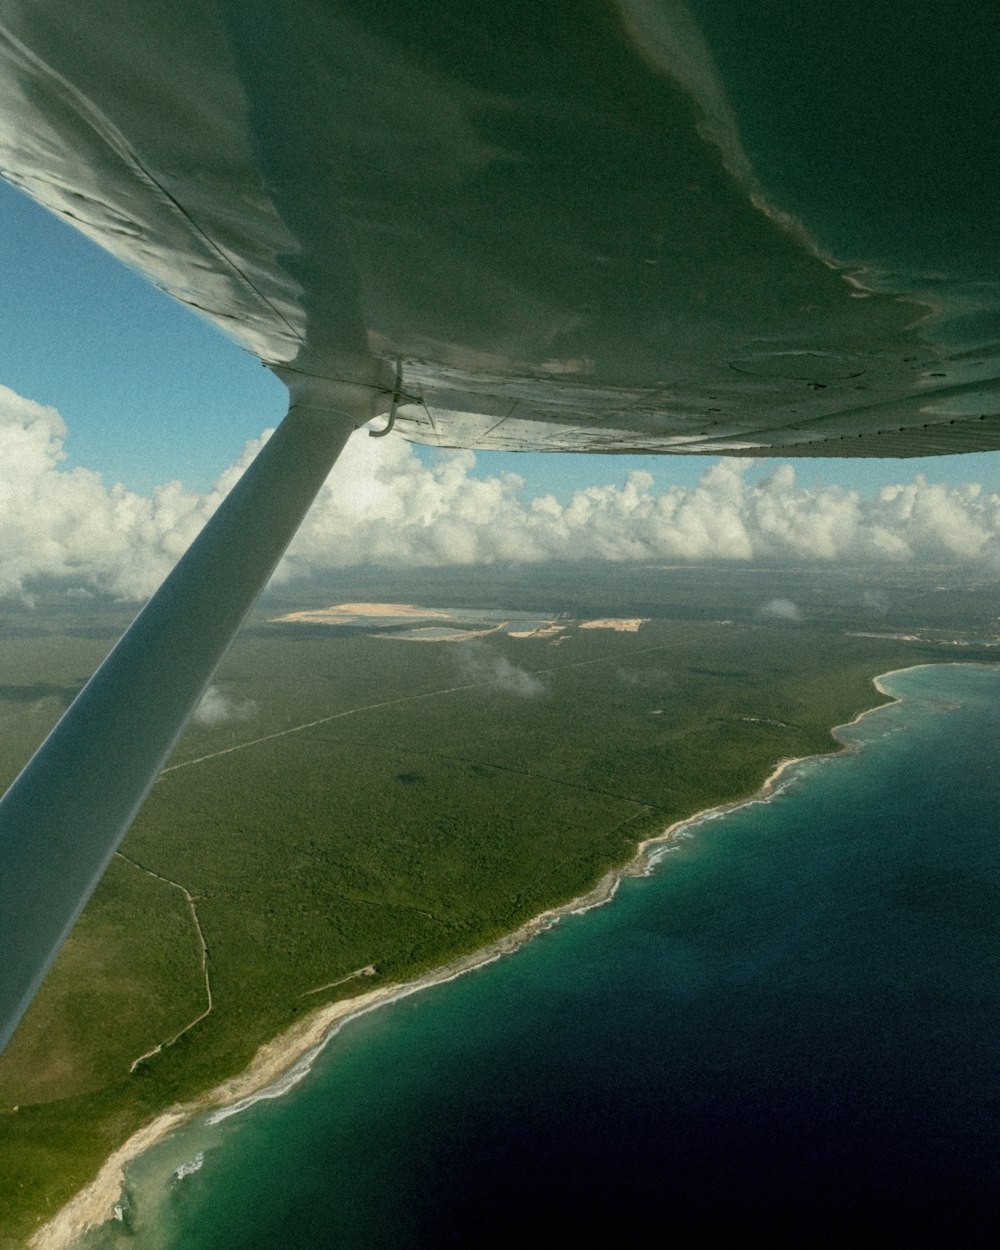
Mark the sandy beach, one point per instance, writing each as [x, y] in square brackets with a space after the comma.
[296, 1047]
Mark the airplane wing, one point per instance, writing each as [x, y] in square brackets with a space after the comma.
[598, 227]
[611, 225]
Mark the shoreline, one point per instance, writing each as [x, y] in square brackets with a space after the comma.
[286, 1059]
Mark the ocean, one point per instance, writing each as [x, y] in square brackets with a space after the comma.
[788, 1030]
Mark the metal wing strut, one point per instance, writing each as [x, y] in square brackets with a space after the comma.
[64, 816]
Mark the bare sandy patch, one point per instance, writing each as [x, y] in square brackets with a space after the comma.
[439, 633]
[620, 624]
[346, 613]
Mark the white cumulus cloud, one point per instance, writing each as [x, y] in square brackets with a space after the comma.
[68, 526]
[385, 505]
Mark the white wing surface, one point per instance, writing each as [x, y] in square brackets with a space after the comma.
[551, 215]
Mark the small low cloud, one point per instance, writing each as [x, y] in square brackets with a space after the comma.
[876, 601]
[481, 664]
[217, 707]
[780, 610]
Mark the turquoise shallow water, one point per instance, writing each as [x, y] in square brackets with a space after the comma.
[789, 1029]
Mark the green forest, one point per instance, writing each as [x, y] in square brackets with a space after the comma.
[360, 801]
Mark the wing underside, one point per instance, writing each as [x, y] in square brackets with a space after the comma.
[551, 223]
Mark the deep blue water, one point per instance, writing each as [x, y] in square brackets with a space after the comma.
[788, 1030]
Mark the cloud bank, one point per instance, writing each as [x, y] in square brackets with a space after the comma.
[385, 506]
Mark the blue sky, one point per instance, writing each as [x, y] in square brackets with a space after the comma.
[151, 393]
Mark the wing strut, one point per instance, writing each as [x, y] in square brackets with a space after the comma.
[64, 816]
